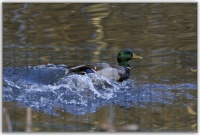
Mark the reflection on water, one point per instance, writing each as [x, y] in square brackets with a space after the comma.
[72, 34]
[96, 13]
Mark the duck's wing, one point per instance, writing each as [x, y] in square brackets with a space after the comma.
[90, 68]
[114, 72]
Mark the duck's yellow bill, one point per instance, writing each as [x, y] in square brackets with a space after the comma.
[136, 57]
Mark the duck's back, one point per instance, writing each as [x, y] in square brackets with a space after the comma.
[114, 72]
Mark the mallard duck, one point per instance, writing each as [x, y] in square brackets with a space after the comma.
[119, 72]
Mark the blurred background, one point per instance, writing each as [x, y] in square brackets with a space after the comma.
[164, 34]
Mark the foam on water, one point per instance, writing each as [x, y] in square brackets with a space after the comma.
[46, 88]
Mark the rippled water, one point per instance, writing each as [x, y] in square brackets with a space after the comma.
[46, 88]
[161, 94]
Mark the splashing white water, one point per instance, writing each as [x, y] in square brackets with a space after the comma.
[47, 88]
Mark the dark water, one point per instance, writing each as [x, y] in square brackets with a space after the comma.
[161, 94]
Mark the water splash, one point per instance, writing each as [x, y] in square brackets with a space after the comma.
[46, 88]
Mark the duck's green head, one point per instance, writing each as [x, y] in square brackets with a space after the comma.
[124, 56]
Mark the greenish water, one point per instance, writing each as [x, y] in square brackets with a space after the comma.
[165, 35]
